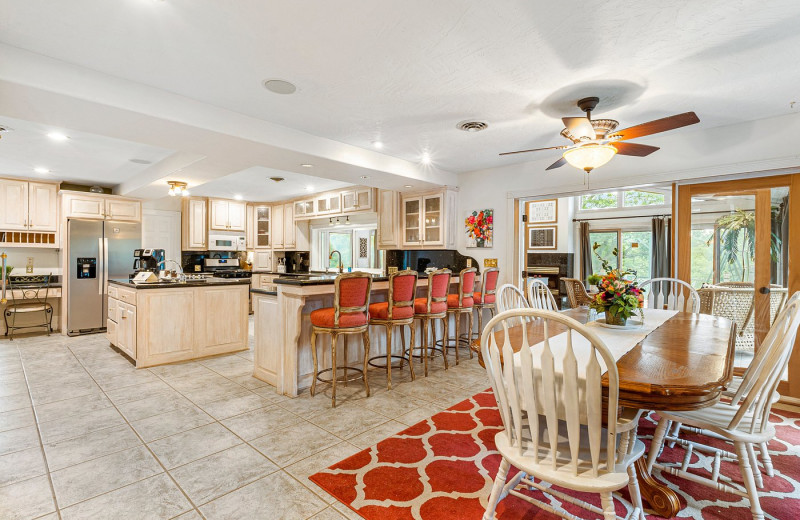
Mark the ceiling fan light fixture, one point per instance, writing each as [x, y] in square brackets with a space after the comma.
[590, 156]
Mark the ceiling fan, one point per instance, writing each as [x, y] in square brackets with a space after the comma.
[596, 141]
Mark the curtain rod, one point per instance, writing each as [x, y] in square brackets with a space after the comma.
[646, 216]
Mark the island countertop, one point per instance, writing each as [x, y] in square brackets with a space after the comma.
[209, 282]
[317, 279]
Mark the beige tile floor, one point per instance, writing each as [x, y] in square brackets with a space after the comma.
[83, 434]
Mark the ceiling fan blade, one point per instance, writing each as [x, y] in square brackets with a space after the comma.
[657, 126]
[579, 127]
[635, 149]
[558, 164]
[535, 150]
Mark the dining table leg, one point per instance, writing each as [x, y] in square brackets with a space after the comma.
[662, 500]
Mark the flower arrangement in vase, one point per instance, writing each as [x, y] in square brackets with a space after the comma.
[479, 226]
[619, 298]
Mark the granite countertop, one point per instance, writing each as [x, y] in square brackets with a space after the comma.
[317, 279]
[189, 283]
[264, 291]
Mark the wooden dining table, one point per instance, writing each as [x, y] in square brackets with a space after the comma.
[684, 364]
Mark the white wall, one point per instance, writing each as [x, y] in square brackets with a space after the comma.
[45, 261]
[767, 145]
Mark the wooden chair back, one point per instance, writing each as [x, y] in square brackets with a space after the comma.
[466, 286]
[351, 295]
[559, 381]
[489, 284]
[539, 295]
[402, 290]
[576, 292]
[672, 294]
[509, 297]
[438, 289]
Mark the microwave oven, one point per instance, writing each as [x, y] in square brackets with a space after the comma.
[220, 242]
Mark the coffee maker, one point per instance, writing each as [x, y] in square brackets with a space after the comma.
[147, 260]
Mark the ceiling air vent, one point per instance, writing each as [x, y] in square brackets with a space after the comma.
[472, 126]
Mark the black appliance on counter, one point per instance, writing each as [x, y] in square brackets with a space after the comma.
[297, 261]
[419, 260]
[151, 260]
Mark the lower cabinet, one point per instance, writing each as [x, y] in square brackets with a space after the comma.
[267, 360]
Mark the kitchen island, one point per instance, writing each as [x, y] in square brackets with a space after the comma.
[165, 322]
[283, 329]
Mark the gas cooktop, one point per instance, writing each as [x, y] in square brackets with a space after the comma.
[233, 273]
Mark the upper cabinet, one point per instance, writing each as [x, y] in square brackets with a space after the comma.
[194, 224]
[357, 200]
[28, 206]
[328, 203]
[101, 207]
[289, 228]
[228, 215]
[429, 220]
[388, 222]
[303, 208]
[262, 235]
[335, 204]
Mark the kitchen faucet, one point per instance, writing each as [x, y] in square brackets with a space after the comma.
[341, 266]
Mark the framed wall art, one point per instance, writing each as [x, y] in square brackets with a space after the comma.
[542, 237]
[542, 211]
[479, 226]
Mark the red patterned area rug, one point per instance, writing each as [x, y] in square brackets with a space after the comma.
[443, 467]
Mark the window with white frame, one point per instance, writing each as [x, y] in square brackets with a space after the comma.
[357, 246]
[622, 199]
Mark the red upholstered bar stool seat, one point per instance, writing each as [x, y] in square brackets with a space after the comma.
[484, 300]
[398, 310]
[348, 316]
[461, 305]
[427, 310]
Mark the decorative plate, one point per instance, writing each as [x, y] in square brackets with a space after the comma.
[630, 325]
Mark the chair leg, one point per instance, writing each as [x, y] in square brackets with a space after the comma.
[389, 338]
[445, 338]
[497, 487]
[657, 444]
[751, 452]
[403, 343]
[333, 369]
[676, 431]
[314, 358]
[345, 357]
[767, 460]
[469, 341]
[457, 316]
[607, 502]
[413, 338]
[633, 489]
[749, 480]
[365, 335]
[480, 322]
[425, 337]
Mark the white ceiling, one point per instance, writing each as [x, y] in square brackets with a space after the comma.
[83, 158]
[407, 72]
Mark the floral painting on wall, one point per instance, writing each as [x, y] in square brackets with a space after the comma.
[479, 226]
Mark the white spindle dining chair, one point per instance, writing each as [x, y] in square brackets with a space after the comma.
[539, 295]
[509, 297]
[671, 294]
[551, 403]
[744, 421]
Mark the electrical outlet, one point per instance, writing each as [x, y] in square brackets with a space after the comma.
[29, 266]
[469, 263]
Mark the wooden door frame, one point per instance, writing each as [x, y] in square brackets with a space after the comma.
[683, 239]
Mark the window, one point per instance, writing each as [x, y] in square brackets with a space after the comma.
[607, 240]
[643, 198]
[357, 245]
[342, 242]
[634, 250]
[599, 200]
[703, 245]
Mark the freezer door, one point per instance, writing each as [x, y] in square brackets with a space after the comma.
[86, 276]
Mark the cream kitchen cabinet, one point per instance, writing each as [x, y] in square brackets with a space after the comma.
[429, 220]
[289, 227]
[303, 208]
[227, 215]
[357, 200]
[262, 260]
[28, 206]
[194, 224]
[388, 221]
[327, 204]
[100, 207]
[276, 224]
[123, 209]
[262, 227]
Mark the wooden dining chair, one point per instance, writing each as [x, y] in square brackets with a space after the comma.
[576, 293]
[744, 421]
[670, 294]
[509, 297]
[540, 296]
[553, 417]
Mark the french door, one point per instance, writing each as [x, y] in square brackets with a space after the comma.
[736, 243]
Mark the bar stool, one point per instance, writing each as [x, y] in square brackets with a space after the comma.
[485, 298]
[398, 310]
[430, 308]
[349, 315]
[459, 305]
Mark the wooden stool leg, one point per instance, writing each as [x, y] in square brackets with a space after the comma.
[425, 334]
[413, 337]
[403, 342]
[480, 322]
[314, 358]
[345, 357]
[457, 317]
[389, 338]
[446, 332]
[365, 335]
[333, 369]
[471, 324]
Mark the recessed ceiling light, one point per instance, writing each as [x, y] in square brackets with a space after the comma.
[141, 161]
[306, 165]
[279, 86]
[408, 186]
[309, 188]
[377, 144]
[238, 197]
[57, 136]
[365, 176]
[41, 170]
[276, 179]
[426, 158]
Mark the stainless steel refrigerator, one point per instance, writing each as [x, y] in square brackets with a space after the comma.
[98, 251]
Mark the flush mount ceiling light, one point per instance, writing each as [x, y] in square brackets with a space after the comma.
[408, 186]
[277, 179]
[377, 144]
[309, 188]
[237, 197]
[472, 126]
[41, 170]
[57, 136]
[279, 86]
[365, 177]
[177, 188]
[590, 156]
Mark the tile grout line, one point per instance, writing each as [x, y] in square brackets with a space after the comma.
[39, 435]
[194, 506]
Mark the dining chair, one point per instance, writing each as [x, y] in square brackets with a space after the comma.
[509, 297]
[31, 299]
[486, 298]
[744, 421]
[540, 296]
[670, 294]
[461, 305]
[576, 293]
[551, 405]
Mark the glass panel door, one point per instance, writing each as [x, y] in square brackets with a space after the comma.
[433, 220]
[262, 226]
[411, 221]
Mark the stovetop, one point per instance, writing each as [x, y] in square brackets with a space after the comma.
[233, 273]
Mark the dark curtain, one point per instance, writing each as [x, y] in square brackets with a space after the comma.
[660, 250]
[586, 251]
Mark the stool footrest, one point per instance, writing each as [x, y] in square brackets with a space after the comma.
[341, 379]
[377, 365]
